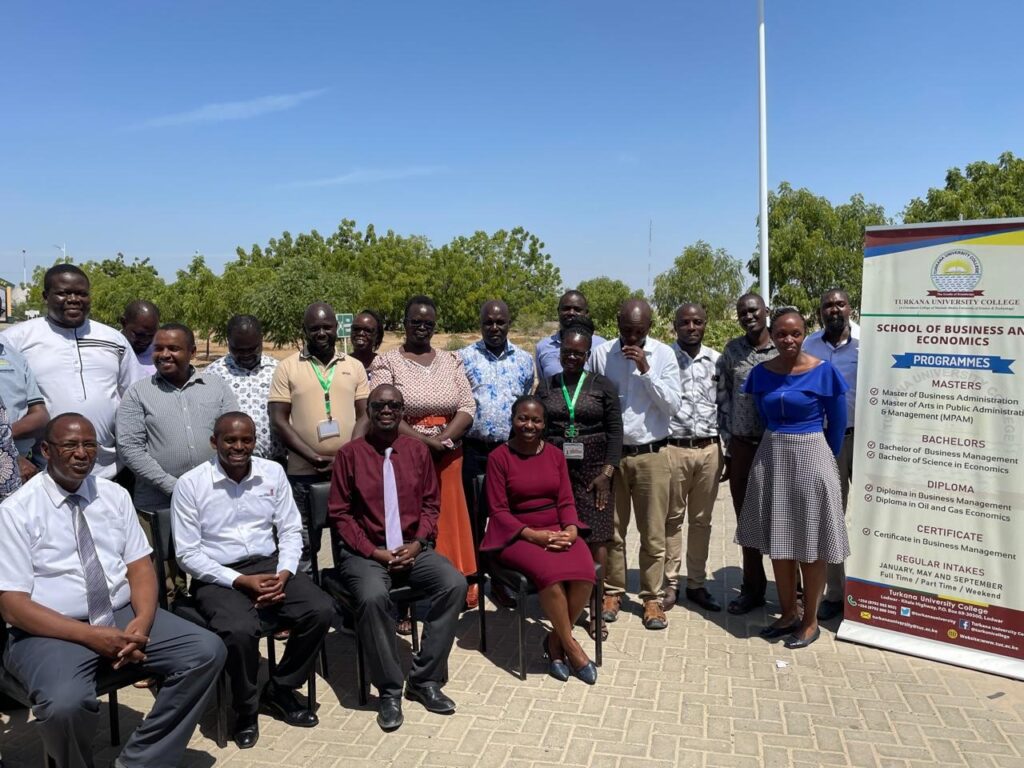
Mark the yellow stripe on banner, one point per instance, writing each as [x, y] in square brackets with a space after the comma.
[958, 599]
[1002, 238]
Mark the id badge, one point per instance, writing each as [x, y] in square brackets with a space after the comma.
[325, 430]
[572, 451]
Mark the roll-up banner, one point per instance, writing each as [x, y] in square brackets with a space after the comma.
[936, 509]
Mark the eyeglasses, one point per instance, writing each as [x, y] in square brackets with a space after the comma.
[391, 405]
[89, 446]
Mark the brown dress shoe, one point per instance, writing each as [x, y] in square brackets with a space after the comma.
[654, 615]
[610, 608]
[669, 601]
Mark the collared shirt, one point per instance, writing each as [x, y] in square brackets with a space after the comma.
[295, 382]
[82, 370]
[356, 502]
[648, 401]
[217, 522]
[252, 388]
[145, 359]
[39, 549]
[549, 350]
[18, 389]
[496, 381]
[737, 411]
[844, 358]
[698, 414]
[163, 431]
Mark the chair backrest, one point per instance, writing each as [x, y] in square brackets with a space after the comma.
[318, 495]
[160, 534]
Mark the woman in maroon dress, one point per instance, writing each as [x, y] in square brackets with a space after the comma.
[533, 528]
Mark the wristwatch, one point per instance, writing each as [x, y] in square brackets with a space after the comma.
[608, 471]
[425, 543]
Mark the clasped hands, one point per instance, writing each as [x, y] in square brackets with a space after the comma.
[121, 646]
[552, 541]
[265, 589]
[399, 559]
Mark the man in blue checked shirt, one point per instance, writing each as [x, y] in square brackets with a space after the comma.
[499, 372]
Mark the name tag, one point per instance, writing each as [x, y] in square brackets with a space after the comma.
[572, 451]
[325, 430]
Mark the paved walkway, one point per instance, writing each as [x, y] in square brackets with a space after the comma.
[705, 692]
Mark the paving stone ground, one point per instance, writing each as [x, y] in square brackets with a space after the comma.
[706, 692]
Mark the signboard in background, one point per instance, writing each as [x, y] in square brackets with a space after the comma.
[936, 509]
[344, 325]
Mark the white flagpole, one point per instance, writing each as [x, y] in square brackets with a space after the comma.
[765, 280]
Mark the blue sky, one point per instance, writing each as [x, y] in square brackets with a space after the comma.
[161, 129]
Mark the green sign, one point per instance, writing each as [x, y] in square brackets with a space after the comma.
[344, 325]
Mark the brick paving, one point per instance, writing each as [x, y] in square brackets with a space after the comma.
[704, 692]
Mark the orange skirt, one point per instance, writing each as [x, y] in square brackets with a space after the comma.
[454, 534]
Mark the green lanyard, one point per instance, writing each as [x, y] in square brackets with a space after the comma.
[325, 383]
[572, 430]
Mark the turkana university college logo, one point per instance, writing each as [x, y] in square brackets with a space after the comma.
[955, 273]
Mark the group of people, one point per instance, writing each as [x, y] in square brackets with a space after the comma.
[574, 441]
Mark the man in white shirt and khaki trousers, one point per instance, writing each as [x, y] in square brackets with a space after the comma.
[646, 374]
[224, 514]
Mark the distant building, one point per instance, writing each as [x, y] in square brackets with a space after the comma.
[5, 300]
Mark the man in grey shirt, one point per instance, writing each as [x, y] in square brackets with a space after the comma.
[165, 422]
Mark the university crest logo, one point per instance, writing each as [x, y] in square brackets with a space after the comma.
[955, 273]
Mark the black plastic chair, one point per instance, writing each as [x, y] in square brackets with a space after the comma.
[186, 608]
[108, 683]
[330, 581]
[521, 587]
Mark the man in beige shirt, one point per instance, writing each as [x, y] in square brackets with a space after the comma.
[316, 397]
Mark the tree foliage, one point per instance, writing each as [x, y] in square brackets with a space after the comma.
[702, 275]
[604, 297]
[815, 246]
[985, 191]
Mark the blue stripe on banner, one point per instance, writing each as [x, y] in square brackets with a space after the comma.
[991, 363]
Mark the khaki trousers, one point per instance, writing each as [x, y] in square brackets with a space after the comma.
[693, 492]
[835, 573]
[641, 484]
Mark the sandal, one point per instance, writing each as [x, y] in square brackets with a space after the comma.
[592, 629]
[404, 626]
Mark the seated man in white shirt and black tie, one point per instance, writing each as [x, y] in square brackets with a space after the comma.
[224, 514]
[79, 589]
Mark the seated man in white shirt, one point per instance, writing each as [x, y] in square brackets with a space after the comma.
[79, 589]
[224, 514]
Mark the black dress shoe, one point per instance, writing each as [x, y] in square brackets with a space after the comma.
[829, 609]
[771, 632]
[745, 604]
[793, 642]
[557, 668]
[703, 598]
[283, 703]
[247, 732]
[431, 697]
[389, 713]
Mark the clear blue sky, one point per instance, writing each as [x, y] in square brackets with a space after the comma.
[161, 129]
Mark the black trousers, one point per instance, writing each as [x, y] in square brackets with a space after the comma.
[232, 615]
[474, 462]
[369, 582]
[742, 453]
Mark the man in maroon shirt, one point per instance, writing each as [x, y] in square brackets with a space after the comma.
[384, 506]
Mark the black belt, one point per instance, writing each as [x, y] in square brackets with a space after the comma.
[747, 440]
[692, 442]
[636, 450]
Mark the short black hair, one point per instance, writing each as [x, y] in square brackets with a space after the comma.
[244, 322]
[581, 325]
[61, 269]
[378, 339]
[779, 312]
[138, 307]
[183, 328]
[231, 416]
[51, 425]
[418, 300]
[529, 399]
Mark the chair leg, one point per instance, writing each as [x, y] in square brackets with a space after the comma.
[598, 620]
[521, 608]
[271, 655]
[415, 629]
[481, 608]
[222, 710]
[115, 721]
[362, 686]
[311, 689]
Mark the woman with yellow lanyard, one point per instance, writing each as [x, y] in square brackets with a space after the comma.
[584, 421]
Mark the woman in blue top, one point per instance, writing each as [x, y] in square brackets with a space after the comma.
[793, 510]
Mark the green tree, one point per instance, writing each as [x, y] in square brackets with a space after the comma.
[196, 299]
[815, 246]
[604, 297]
[702, 275]
[985, 191]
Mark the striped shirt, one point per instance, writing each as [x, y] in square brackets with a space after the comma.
[698, 377]
[82, 370]
[163, 431]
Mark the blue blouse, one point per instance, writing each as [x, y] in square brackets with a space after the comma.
[798, 404]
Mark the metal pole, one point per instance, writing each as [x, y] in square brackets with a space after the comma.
[765, 278]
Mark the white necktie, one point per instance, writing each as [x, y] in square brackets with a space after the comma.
[392, 519]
